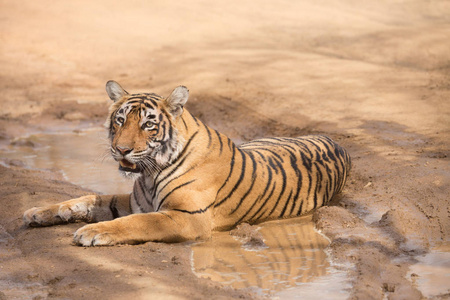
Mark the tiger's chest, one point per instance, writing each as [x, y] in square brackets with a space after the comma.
[143, 196]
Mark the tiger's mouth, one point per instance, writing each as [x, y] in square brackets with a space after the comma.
[125, 165]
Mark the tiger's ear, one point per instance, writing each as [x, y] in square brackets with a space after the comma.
[176, 101]
[115, 91]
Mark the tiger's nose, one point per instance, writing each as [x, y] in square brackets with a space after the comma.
[124, 151]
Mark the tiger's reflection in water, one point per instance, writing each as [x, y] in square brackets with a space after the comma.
[294, 255]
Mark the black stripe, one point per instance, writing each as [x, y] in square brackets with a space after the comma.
[153, 95]
[262, 206]
[148, 105]
[199, 211]
[113, 208]
[195, 119]
[237, 183]
[132, 103]
[271, 163]
[164, 214]
[260, 154]
[209, 136]
[338, 177]
[130, 207]
[267, 199]
[230, 144]
[270, 160]
[251, 186]
[331, 184]
[299, 212]
[179, 164]
[184, 122]
[163, 127]
[303, 146]
[231, 171]
[298, 172]
[341, 156]
[152, 100]
[173, 190]
[340, 174]
[135, 189]
[325, 157]
[260, 144]
[318, 184]
[325, 197]
[283, 173]
[306, 162]
[142, 187]
[296, 199]
[175, 178]
[170, 129]
[285, 205]
[140, 97]
[310, 172]
[287, 145]
[328, 146]
[228, 177]
[284, 184]
[269, 181]
[220, 141]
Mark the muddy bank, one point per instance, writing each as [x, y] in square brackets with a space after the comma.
[373, 76]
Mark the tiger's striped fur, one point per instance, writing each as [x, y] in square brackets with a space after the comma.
[191, 179]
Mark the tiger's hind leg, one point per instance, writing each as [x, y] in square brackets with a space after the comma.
[91, 208]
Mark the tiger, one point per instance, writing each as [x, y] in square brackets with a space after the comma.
[191, 180]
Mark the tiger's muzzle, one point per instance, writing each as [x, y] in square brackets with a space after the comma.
[125, 164]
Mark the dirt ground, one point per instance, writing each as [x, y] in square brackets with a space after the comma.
[373, 75]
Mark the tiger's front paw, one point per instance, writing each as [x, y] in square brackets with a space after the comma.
[99, 234]
[40, 216]
[79, 209]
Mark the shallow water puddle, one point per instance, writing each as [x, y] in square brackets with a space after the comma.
[294, 263]
[83, 157]
[431, 274]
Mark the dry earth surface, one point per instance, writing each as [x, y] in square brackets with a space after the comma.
[373, 75]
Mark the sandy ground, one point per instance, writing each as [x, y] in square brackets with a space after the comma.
[373, 75]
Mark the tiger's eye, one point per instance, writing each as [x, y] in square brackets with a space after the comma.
[120, 120]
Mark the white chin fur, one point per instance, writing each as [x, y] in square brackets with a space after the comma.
[130, 175]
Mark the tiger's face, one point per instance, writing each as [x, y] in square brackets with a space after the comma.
[142, 129]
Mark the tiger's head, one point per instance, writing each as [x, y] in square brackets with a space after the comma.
[142, 129]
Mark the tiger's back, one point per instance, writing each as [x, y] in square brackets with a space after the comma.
[281, 178]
